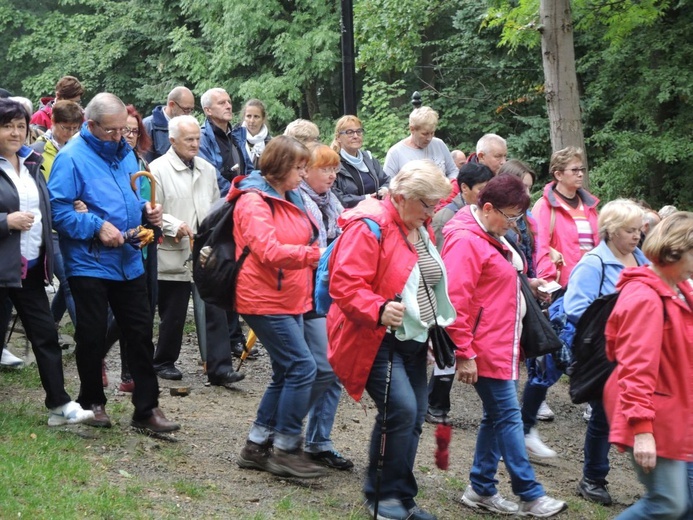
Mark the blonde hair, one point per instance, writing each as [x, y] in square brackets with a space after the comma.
[339, 126]
[303, 130]
[616, 215]
[670, 239]
[561, 159]
[423, 118]
[420, 179]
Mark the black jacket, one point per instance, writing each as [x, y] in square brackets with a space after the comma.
[10, 249]
[349, 187]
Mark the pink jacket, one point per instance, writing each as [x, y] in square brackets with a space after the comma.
[564, 238]
[485, 290]
[364, 275]
[277, 275]
[650, 335]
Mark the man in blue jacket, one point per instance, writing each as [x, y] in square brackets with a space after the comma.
[180, 102]
[102, 269]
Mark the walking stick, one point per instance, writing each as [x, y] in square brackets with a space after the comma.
[252, 338]
[383, 426]
[14, 323]
[151, 178]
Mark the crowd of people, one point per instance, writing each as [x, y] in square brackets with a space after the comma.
[110, 203]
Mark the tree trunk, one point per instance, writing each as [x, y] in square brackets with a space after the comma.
[560, 78]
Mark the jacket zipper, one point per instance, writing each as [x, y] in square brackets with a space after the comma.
[478, 320]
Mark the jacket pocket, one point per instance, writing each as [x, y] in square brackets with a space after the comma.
[478, 320]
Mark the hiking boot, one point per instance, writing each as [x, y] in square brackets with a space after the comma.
[238, 348]
[542, 507]
[416, 513]
[389, 509]
[254, 455]
[293, 463]
[331, 459]
[536, 448]
[495, 503]
[69, 413]
[432, 418]
[594, 490]
[545, 413]
[127, 386]
[100, 418]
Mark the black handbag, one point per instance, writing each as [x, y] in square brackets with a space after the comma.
[443, 347]
[538, 337]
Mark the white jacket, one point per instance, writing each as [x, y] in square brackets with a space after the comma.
[186, 196]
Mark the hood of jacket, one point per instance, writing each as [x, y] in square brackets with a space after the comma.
[645, 275]
[109, 151]
[159, 119]
[380, 211]
[587, 198]
[256, 182]
[464, 220]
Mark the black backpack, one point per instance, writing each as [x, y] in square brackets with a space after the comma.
[590, 367]
[215, 267]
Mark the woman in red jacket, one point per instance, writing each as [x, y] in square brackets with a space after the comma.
[370, 334]
[274, 291]
[490, 307]
[649, 396]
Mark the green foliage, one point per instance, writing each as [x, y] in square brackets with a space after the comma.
[384, 124]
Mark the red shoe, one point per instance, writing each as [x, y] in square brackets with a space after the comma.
[104, 375]
[127, 386]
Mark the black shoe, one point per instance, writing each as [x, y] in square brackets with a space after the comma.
[432, 418]
[238, 348]
[331, 459]
[226, 380]
[594, 490]
[171, 373]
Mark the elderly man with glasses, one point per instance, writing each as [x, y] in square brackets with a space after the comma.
[102, 268]
[180, 102]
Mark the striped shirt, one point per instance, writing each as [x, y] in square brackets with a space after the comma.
[432, 272]
[584, 228]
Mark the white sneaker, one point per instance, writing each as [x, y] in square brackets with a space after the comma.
[545, 413]
[536, 447]
[542, 507]
[9, 360]
[587, 414]
[69, 413]
[495, 503]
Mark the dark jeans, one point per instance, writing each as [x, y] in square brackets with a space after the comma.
[33, 309]
[406, 409]
[439, 394]
[173, 309]
[130, 306]
[532, 398]
[597, 445]
[235, 330]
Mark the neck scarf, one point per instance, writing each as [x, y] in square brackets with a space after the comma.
[256, 143]
[356, 162]
[327, 211]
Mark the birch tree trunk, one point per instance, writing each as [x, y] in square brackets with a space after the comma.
[560, 78]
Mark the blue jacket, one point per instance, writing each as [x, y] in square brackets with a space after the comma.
[586, 279]
[97, 173]
[156, 126]
[209, 150]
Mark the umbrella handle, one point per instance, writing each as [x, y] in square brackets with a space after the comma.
[151, 178]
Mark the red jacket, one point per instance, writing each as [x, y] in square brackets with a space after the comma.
[650, 335]
[364, 275]
[277, 275]
[485, 290]
[42, 117]
[564, 238]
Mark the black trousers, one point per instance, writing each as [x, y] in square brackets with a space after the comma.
[219, 360]
[130, 306]
[34, 310]
[173, 308]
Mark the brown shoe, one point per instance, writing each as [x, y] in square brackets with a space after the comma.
[293, 464]
[155, 423]
[101, 418]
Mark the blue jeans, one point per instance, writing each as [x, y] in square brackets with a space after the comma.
[63, 299]
[501, 434]
[668, 494]
[287, 398]
[406, 410]
[597, 445]
[690, 490]
[326, 389]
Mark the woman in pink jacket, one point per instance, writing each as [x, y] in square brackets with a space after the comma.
[649, 396]
[485, 291]
[567, 217]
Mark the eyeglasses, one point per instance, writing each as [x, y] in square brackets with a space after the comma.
[428, 208]
[358, 131]
[575, 171]
[112, 131]
[185, 110]
[131, 131]
[71, 129]
[329, 169]
[510, 219]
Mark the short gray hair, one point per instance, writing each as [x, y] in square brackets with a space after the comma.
[487, 140]
[104, 104]
[206, 99]
[616, 215]
[26, 103]
[175, 122]
[423, 118]
[420, 179]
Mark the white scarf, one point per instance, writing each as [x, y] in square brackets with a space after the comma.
[255, 144]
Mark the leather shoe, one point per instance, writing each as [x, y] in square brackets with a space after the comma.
[101, 418]
[238, 348]
[155, 423]
[171, 373]
[594, 490]
[226, 380]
